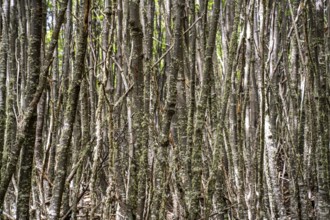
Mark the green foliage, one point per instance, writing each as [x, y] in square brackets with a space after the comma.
[210, 5]
[48, 36]
[238, 75]
[197, 7]
[218, 44]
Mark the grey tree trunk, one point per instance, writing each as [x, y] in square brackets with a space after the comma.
[69, 115]
[197, 175]
[169, 111]
[171, 117]
[27, 152]
[3, 72]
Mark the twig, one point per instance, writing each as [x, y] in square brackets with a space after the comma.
[5, 214]
[123, 96]
[78, 200]
[169, 49]
[193, 24]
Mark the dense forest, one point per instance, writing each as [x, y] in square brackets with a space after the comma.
[164, 109]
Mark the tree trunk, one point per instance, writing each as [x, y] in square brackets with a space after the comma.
[69, 115]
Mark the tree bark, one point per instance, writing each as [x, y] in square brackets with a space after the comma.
[69, 115]
[26, 160]
[197, 175]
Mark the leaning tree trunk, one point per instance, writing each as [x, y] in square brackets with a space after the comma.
[69, 115]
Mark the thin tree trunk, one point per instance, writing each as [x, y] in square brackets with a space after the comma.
[169, 111]
[197, 174]
[69, 115]
[3, 74]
